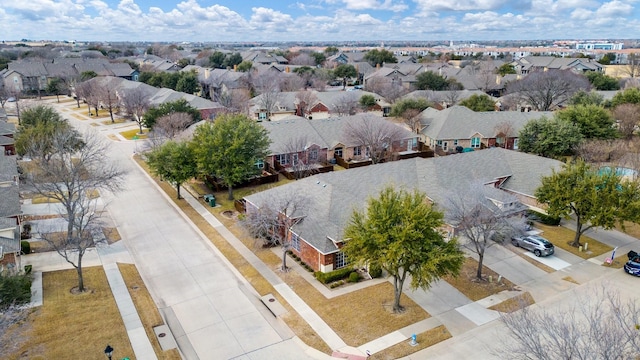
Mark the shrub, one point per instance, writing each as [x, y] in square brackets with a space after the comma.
[543, 218]
[375, 271]
[14, 289]
[332, 276]
[25, 247]
[354, 277]
[334, 285]
[26, 231]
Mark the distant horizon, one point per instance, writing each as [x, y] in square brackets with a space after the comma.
[216, 21]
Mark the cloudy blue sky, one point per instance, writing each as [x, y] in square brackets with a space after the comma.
[317, 20]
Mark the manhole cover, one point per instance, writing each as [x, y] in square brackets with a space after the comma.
[272, 300]
[162, 335]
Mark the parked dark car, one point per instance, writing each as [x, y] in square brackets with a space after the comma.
[537, 244]
[633, 265]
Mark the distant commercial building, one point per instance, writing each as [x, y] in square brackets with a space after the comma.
[598, 46]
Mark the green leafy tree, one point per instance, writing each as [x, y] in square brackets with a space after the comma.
[505, 69]
[595, 122]
[145, 77]
[586, 98]
[378, 57]
[607, 58]
[331, 50]
[170, 80]
[401, 106]
[56, 86]
[216, 59]
[601, 81]
[232, 60]
[549, 137]
[86, 75]
[628, 96]
[38, 127]
[188, 83]
[178, 106]
[318, 57]
[595, 199]
[345, 71]
[229, 148]
[174, 162]
[479, 103]
[184, 62]
[400, 233]
[367, 101]
[245, 66]
[429, 80]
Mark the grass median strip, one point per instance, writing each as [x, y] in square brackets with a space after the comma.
[424, 340]
[515, 303]
[477, 289]
[147, 310]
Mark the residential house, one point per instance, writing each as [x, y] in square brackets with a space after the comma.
[331, 197]
[444, 99]
[9, 242]
[259, 57]
[458, 126]
[529, 64]
[295, 139]
[321, 104]
[403, 74]
[7, 133]
[34, 75]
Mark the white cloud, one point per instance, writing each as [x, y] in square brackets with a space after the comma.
[375, 5]
[464, 5]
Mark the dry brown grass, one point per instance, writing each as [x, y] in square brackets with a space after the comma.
[571, 280]
[69, 326]
[424, 340]
[476, 289]
[111, 234]
[630, 229]
[618, 262]
[515, 303]
[40, 199]
[147, 310]
[115, 121]
[561, 237]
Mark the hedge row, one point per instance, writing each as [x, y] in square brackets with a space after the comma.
[545, 219]
[332, 276]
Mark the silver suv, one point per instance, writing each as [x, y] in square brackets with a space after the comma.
[539, 245]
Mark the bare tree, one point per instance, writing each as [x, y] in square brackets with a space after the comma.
[4, 96]
[483, 217]
[411, 117]
[598, 324]
[504, 131]
[302, 59]
[107, 98]
[171, 125]
[452, 95]
[306, 100]
[628, 118]
[632, 68]
[73, 176]
[346, 104]
[236, 100]
[272, 221]
[374, 134]
[301, 159]
[599, 152]
[291, 82]
[266, 83]
[385, 87]
[136, 102]
[545, 90]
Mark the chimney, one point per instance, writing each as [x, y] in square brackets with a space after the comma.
[377, 66]
[286, 69]
[235, 68]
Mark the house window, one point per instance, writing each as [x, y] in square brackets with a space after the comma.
[341, 260]
[338, 151]
[295, 241]
[455, 142]
[515, 144]
[282, 159]
[294, 159]
[357, 151]
[260, 164]
[262, 116]
[439, 143]
[313, 154]
[445, 145]
[475, 142]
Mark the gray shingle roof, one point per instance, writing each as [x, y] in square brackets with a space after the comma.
[333, 196]
[10, 204]
[459, 122]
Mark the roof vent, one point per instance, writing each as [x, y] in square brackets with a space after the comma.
[324, 185]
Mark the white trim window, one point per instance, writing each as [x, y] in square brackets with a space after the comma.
[341, 260]
[357, 151]
[282, 159]
[313, 154]
[262, 116]
[295, 241]
[475, 142]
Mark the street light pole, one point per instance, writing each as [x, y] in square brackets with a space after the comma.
[108, 351]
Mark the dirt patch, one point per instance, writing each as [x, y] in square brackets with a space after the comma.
[230, 214]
